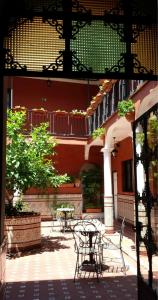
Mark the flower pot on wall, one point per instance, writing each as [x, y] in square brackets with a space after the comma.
[93, 210]
[65, 185]
[60, 113]
[78, 116]
[39, 110]
[19, 108]
[77, 182]
[90, 111]
[130, 117]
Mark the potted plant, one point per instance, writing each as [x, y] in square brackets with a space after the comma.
[92, 208]
[152, 131]
[77, 181]
[90, 111]
[60, 112]
[126, 108]
[99, 132]
[69, 182]
[19, 108]
[78, 113]
[39, 110]
[91, 181]
[27, 165]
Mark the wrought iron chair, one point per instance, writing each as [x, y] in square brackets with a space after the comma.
[114, 242]
[87, 248]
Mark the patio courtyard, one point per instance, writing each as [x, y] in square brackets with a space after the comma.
[47, 273]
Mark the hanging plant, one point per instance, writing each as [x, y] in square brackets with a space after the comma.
[99, 132]
[125, 107]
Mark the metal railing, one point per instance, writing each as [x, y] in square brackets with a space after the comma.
[59, 124]
[121, 90]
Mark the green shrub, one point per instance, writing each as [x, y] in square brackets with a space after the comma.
[98, 132]
[125, 106]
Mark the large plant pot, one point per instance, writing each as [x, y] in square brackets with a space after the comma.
[23, 232]
[130, 117]
[3, 252]
[93, 210]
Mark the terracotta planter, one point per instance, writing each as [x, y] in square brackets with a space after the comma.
[3, 253]
[65, 185]
[93, 210]
[90, 111]
[39, 110]
[23, 232]
[61, 113]
[77, 182]
[19, 108]
[77, 116]
[102, 136]
[130, 116]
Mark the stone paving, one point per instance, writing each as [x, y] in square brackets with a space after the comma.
[47, 273]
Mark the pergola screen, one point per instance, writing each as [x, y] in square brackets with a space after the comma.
[95, 38]
[146, 49]
[99, 7]
[34, 44]
[98, 47]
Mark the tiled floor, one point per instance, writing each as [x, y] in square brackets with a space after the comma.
[47, 274]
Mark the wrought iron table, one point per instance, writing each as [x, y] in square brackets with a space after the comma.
[65, 211]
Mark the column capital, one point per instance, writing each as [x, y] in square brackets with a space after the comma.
[106, 150]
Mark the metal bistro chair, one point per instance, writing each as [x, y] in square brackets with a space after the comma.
[111, 244]
[87, 248]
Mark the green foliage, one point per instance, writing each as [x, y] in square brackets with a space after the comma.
[140, 138]
[98, 132]
[91, 181]
[19, 208]
[28, 162]
[78, 112]
[64, 205]
[125, 106]
[153, 124]
[91, 205]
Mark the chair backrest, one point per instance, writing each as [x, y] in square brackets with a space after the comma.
[92, 219]
[81, 232]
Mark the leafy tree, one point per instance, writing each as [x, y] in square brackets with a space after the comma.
[28, 158]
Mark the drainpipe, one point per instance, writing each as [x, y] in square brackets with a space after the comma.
[108, 198]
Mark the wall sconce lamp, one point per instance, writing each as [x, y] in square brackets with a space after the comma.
[115, 151]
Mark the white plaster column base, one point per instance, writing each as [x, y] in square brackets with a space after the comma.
[108, 212]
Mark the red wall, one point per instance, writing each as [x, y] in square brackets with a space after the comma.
[95, 156]
[70, 158]
[60, 95]
[145, 90]
[125, 152]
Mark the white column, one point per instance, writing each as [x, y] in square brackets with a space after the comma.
[108, 198]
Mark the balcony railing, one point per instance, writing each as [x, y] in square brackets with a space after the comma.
[60, 124]
[122, 89]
